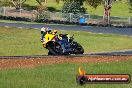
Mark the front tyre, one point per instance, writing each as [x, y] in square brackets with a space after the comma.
[78, 49]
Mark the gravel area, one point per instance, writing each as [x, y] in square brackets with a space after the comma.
[33, 62]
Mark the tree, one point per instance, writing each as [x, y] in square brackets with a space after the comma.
[93, 3]
[42, 7]
[17, 3]
[41, 1]
[73, 7]
[4, 2]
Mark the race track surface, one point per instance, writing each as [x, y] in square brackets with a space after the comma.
[106, 30]
[114, 53]
[104, 54]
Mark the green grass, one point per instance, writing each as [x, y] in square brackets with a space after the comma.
[120, 8]
[61, 75]
[15, 41]
[32, 2]
[20, 42]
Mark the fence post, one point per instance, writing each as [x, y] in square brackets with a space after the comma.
[89, 17]
[70, 17]
[4, 11]
[20, 8]
[129, 20]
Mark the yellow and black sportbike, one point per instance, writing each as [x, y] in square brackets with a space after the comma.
[61, 44]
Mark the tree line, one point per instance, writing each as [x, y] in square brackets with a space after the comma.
[16, 3]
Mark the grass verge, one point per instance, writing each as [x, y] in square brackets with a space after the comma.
[62, 75]
[15, 41]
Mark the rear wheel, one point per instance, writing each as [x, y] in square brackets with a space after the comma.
[49, 53]
[55, 49]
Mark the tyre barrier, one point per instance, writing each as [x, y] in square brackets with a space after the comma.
[60, 22]
[15, 18]
[56, 22]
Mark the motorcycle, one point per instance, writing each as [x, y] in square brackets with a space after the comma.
[61, 44]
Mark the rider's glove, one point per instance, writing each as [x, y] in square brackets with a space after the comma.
[43, 40]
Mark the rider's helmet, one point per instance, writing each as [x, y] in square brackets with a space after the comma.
[42, 30]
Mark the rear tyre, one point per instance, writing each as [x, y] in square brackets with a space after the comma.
[49, 53]
[55, 49]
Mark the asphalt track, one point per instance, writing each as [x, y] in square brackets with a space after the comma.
[116, 53]
[105, 30]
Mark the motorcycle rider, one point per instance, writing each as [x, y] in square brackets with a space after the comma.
[44, 30]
